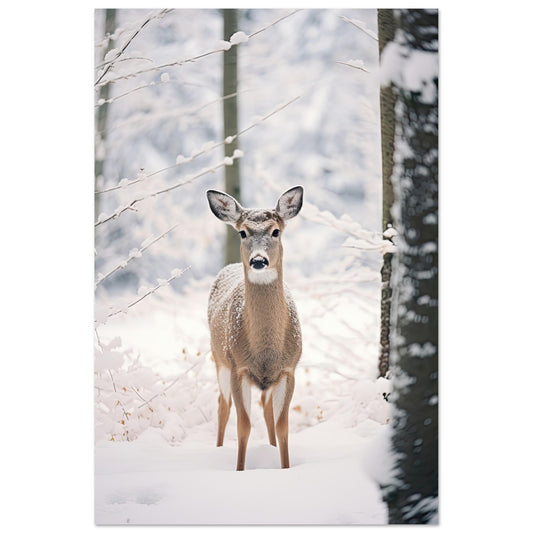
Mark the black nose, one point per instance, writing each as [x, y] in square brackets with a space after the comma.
[258, 262]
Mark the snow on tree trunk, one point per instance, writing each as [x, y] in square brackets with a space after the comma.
[410, 65]
[231, 128]
[386, 29]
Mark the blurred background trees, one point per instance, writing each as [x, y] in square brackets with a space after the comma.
[165, 130]
[231, 127]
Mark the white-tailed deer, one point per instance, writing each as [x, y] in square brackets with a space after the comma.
[255, 331]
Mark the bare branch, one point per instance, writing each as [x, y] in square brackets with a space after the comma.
[189, 179]
[102, 101]
[352, 65]
[123, 264]
[175, 380]
[361, 25]
[162, 12]
[176, 273]
[126, 183]
[191, 59]
[273, 23]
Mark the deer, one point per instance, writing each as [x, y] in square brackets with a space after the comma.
[255, 331]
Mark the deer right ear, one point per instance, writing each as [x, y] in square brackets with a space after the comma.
[290, 202]
[224, 207]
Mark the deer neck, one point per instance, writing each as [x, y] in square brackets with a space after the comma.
[265, 307]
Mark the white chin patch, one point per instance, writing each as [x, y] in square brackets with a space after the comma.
[263, 276]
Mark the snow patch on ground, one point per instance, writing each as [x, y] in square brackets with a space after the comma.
[149, 482]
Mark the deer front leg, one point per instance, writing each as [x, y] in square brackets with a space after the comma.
[281, 399]
[224, 401]
[240, 390]
[266, 401]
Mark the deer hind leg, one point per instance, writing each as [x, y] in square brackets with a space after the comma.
[241, 392]
[224, 401]
[268, 411]
[281, 399]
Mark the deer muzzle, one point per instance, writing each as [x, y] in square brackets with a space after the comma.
[258, 262]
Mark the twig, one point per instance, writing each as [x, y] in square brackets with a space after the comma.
[123, 59]
[352, 65]
[169, 113]
[350, 227]
[195, 58]
[162, 12]
[273, 23]
[114, 98]
[174, 381]
[361, 26]
[187, 180]
[131, 257]
[126, 183]
[176, 273]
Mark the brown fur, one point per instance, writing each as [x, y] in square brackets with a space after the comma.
[255, 331]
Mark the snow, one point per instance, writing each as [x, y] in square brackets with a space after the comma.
[224, 45]
[238, 38]
[149, 482]
[410, 69]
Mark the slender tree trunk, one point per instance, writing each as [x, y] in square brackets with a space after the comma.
[387, 100]
[412, 496]
[231, 127]
[101, 114]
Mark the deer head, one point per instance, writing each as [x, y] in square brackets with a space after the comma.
[260, 231]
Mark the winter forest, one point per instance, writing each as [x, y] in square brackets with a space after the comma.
[343, 102]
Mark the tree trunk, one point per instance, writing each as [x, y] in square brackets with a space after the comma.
[387, 99]
[412, 496]
[101, 114]
[231, 127]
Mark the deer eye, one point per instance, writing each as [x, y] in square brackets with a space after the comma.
[242, 234]
[275, 233]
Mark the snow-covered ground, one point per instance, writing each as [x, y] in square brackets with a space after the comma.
[149, 482]
[156, 398]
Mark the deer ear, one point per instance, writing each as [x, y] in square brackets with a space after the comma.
[290, 202]
[224, 206]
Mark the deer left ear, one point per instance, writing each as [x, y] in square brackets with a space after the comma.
[224, 206]
[290, 202]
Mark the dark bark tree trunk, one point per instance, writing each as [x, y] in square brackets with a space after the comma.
[412, 495]
[231, 127]
[387, 99]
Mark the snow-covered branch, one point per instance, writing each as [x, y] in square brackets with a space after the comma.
[236, 39]
[176, 380]
[102, 101]
[361, 25]
[102, 315]
[166, 114]
[354, 63]
[188, 179]
[208, 147]
[273, 23]
[144, 291]
[134, 253]
[111, 62]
